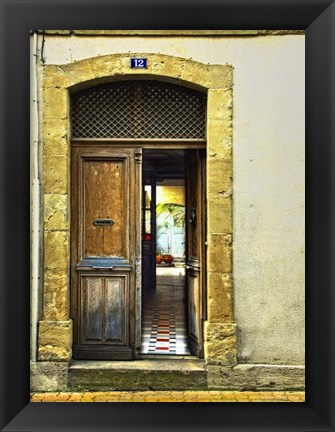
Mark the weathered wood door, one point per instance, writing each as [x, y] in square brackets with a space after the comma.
[105, 255]
[195, 265]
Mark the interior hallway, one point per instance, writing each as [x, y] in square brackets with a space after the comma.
[164, 328]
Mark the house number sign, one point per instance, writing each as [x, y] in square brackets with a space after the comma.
[138, 63]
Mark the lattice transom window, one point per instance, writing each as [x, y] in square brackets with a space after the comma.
[138, 109]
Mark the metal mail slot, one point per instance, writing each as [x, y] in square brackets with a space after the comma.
[103, 222]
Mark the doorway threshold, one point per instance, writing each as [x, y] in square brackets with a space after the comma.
[168, 357]
[142, 374]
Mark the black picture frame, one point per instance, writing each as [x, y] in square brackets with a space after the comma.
[317, 17]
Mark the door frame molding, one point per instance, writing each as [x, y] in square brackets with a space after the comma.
[55, 328]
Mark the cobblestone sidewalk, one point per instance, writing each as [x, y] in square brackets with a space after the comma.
[170, 396]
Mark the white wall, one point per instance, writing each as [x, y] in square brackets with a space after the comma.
[268, 175]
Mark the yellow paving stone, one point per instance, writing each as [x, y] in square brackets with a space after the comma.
[248, 393]
[161, 399]
[177, 396]
[130, 398]
[215, 398]
[152, 396]
[36, 398]
[295, 399]
[137, 398]
[191, 393]
[221, 400]
[164, 397]
[170, 396]
[49, 397]
[104, 396]
[62, 397]
[107, 399]
[241, 397]
[260, 397]
[87, 397]
[75, 397]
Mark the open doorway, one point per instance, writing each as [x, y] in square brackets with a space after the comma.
[171, 288]
[164, 323]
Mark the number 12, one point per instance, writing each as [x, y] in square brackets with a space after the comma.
[139, 63]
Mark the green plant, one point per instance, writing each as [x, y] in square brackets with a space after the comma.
[174, 217]
[177, 212]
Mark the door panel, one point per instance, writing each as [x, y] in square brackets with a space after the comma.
[115, 309]
[105, 255]
[194, 312]
[92, 301]
[195, 265]
[105, 201]
[103, 309]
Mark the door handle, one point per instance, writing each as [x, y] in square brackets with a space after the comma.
[188, 267]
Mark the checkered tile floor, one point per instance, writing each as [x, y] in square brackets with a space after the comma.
[164, 320]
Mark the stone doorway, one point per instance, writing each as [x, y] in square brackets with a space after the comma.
[55, 334]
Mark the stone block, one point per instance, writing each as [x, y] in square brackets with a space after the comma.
[207, 76]
[139, 375]
[219, 213]
[56, 216]
[56, 250]
[219, 124]
[220, 298]
[220, 137]
[256, 377]
[106, 66]
[56, 146]
[48, 376]
[220, 344]
[56, 301]
[55, 103]
[219, 253]
[78, 72]
[56, 174]
[55, 340]
[55, 129]
[196, 73]
[167, 67]
[220, 76]
[219, 176]
[220, 104]
[54, 77]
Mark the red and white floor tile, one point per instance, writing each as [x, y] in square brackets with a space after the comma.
[164, 328]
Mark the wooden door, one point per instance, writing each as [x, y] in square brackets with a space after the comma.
[105, 252]
[195, 265]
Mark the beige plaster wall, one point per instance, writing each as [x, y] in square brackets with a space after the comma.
[268, 186]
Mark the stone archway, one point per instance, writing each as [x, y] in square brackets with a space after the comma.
[55, 328]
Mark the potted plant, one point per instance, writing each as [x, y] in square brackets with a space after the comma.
[167, 258]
